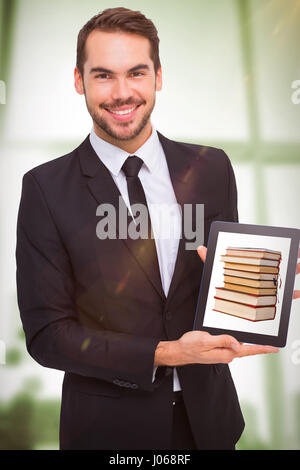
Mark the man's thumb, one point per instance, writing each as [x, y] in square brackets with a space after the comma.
[227, 341]
[201, 250]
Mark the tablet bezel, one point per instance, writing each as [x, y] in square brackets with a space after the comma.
[234, 227]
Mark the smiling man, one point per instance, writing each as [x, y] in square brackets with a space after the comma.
[116, 314]
[119, 80]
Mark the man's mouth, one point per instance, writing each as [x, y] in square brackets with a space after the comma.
[123, 113]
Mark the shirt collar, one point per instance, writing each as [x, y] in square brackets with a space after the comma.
[113, 157]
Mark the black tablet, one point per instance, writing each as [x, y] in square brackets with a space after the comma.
[248, 280]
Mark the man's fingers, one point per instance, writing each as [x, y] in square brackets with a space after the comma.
[253, 349]
[202, 252]
[296, 294]
[298, 265]
[226, 348]
[224, 341]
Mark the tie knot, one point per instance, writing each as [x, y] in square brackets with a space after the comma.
[132, 166]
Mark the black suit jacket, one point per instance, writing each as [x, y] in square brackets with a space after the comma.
[90, 308]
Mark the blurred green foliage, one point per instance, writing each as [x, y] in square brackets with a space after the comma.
[250, 438]
[297, 419]
[13, 356]
[28, 423]
[16, 423]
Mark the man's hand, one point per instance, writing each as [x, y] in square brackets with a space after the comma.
[296, 293]
[200, 347]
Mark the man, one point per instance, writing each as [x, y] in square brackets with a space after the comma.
[116, 313]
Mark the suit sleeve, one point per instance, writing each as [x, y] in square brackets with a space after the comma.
[55, 337]
[231, 202]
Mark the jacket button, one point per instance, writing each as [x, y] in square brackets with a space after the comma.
[168, 315]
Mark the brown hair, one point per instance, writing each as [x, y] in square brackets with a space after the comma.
[119, 19]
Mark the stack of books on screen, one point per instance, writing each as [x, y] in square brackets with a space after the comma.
[250, 283]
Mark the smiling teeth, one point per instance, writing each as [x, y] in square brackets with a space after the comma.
[126, 111]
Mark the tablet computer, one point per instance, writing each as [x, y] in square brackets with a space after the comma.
[248, 281]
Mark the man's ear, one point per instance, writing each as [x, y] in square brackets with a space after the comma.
[78, 82]
[158, 84]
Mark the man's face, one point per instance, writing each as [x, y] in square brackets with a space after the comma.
[119, 83]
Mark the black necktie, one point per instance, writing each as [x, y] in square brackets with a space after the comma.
[146, 246]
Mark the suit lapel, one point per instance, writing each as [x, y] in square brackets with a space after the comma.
[104, 190]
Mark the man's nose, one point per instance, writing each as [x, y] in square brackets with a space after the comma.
[121, 89]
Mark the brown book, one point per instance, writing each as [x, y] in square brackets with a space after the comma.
[250, 275]
[247, 312]
[250, 282]
[247, 261]
[252, 268]
[253, 253]
[250, 290]
[243, 298]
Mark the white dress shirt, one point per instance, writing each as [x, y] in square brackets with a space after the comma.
[164, 212]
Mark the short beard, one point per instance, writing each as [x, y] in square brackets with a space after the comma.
[102, 124]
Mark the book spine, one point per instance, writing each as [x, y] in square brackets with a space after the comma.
[246, 293]
[260, 263]
[243, 318]
[247, 305]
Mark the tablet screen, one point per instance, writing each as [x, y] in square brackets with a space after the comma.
[247, 283]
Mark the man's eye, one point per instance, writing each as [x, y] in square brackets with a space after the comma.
[137, 74]
[103, 76]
